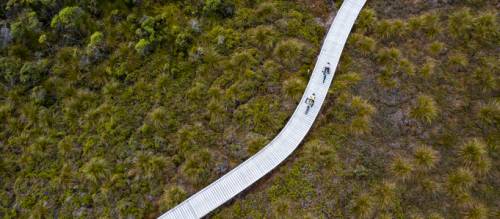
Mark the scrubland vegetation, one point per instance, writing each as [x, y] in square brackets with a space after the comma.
[122, 109]
[411, 127]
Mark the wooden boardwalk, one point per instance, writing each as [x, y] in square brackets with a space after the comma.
[255, 167]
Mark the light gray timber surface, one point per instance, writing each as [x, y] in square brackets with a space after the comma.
[255, 167]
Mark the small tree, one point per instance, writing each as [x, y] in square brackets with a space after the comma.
[72, 22]
[26, 28]
[96, 48]
[68, 18]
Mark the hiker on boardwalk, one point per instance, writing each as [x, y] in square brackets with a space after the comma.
[326, 71]
[310, 102]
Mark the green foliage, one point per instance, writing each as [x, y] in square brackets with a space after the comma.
[95, 170]
[9, 69]
[196, 167]
[425, 157]
[42, 39]
[363, 206]
[255, 144]
[490, 113]
[294, 87]
[224, 39]
[26, 28]
[345, 81]
[222, 8]
[149, 166]
[363, 111]
[474, 156]
[458, 60]
[366, 20]
[261, 115]
[290, 53]
[71, 20]
[96, 39]
[389, 55]
[385, 194]
[264, 37]
[367, 45]
[171, 197]
[436, 48]
[33, 73]
[459, 181]
[401, 168]
[428, 68]
[390, 29]
[428, 24]
[425, 109]
[476, 211]
[143, 47]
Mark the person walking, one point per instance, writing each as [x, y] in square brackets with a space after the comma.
[310, 102]
[326, 71]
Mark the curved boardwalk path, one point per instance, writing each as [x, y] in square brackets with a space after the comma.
[244, 175]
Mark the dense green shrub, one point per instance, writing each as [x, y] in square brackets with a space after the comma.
[33, 73]
[72, 23]
[26, 28]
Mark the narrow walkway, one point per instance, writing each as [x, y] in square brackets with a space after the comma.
[247, 173]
